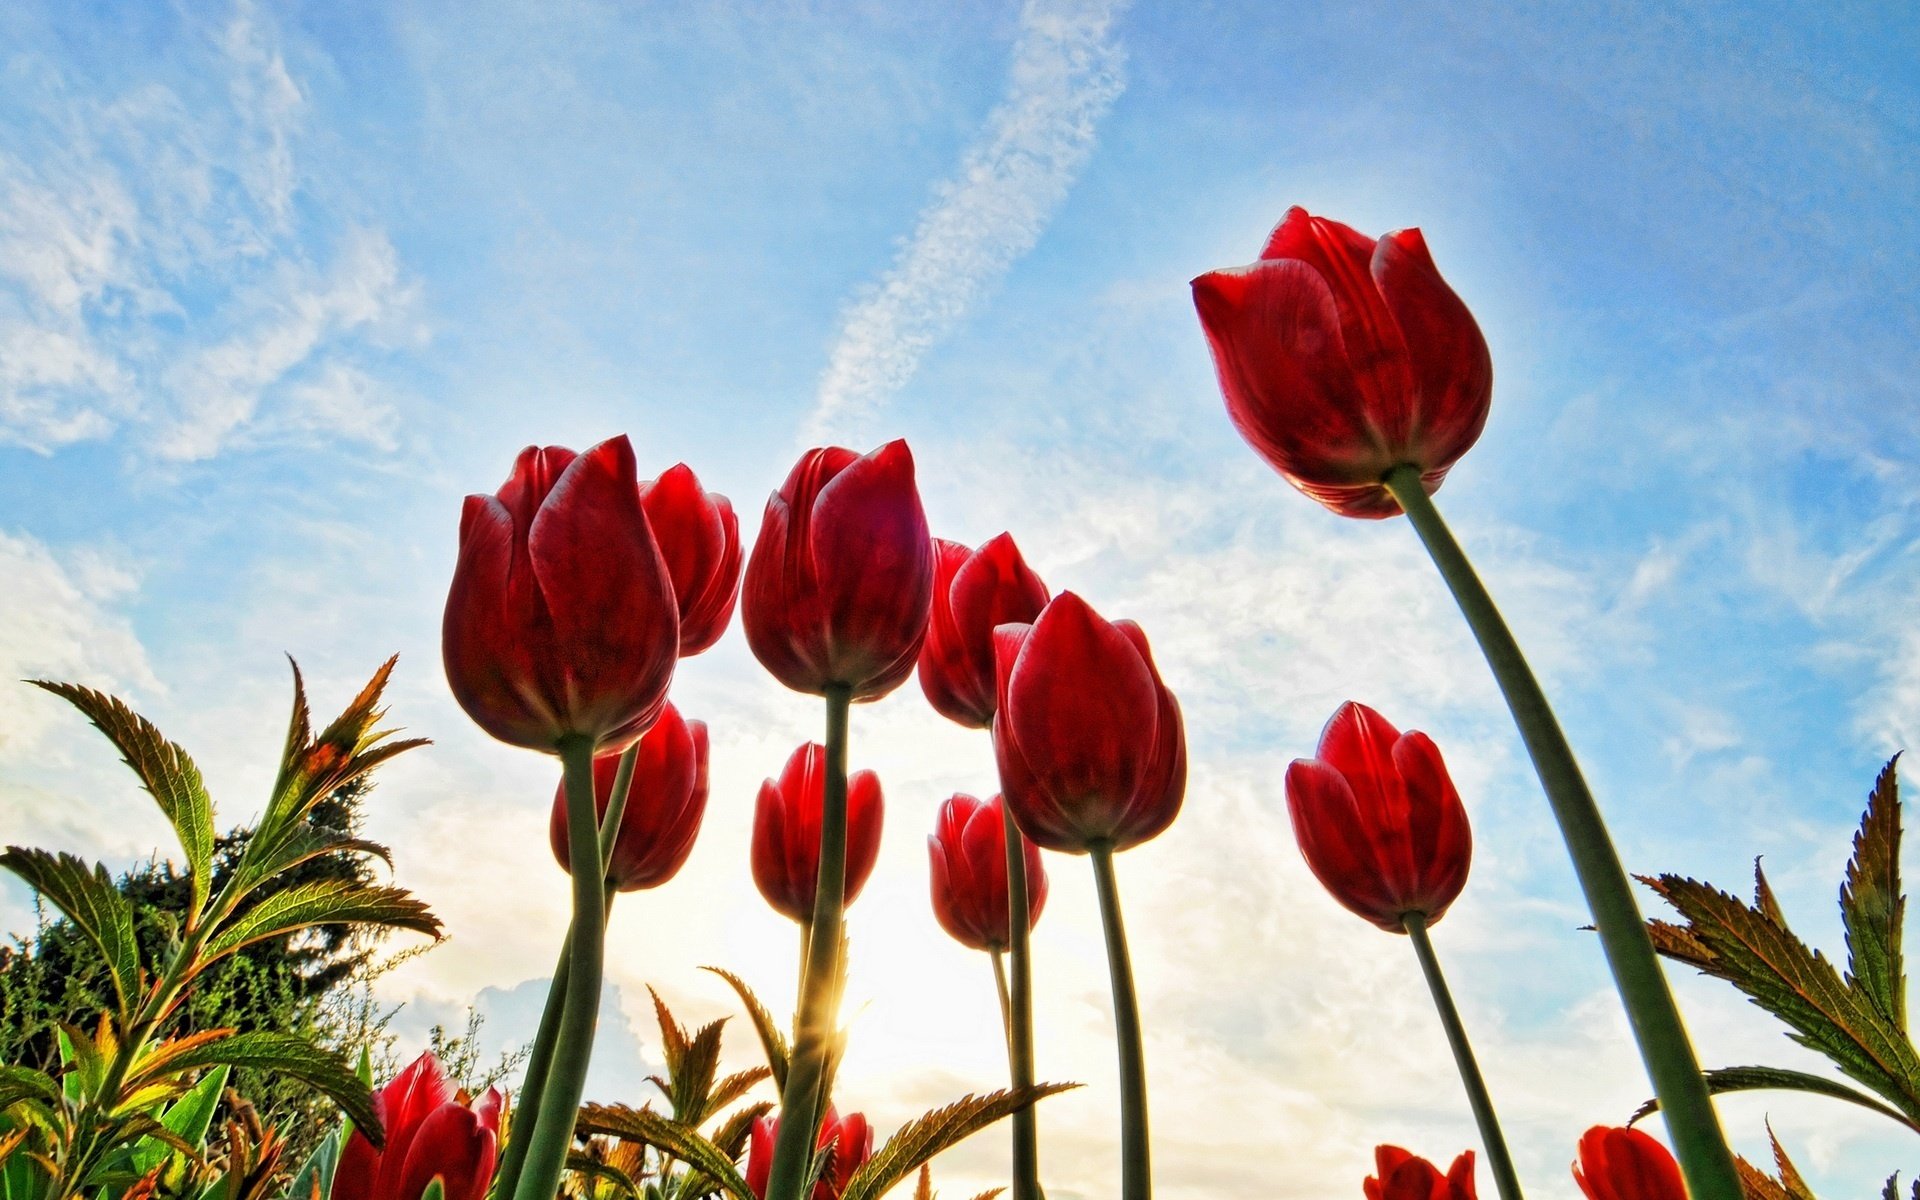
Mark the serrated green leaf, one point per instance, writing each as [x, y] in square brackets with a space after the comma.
[735, 1086]
[922, 1138]
[1752, 1079]
[86, 896]
[323, 902]
[772, 1040]
[663, 1133]
[732, 1133]
[189, 1118]
[673, 1037]
[165, 770]
[25, 1083]
[693, 1082]
[289, 846]
[586, 1164]
[1892, 1190]
[1871, 906]
[297, 1058]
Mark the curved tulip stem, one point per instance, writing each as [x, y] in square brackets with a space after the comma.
[800, 1100]
[552, 1136]
[1698, 1141]
[1491, 1139]
[1136, 1179]
[1016, 1010]
[1006, 1000]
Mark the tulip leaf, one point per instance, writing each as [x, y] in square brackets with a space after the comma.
[295, 1057]
[323, 902]
[772, 1040]
[86, 896]
[165, 771]
[663, 1133]
[1871, 906]
[1722, 1080]
[920, 1139]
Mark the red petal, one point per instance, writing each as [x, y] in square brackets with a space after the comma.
[873, 559]
[1450, 370]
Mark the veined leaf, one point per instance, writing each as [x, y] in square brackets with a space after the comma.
[924, 1189]
[919, 1140]
[1751, 1079]
[323, 902]
[296, 1057]
[663, 1133]
[25, 1083]
[1786, 1182]
[161, 1060]
[772, 1040]
[673, 1037]
[165, 770]
[592, 1167]
[735, 1086]
[1871, 906]
[189, 1118]
[87, 898]
[290, 846]
[731, 1134]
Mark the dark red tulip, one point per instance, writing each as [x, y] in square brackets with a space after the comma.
[699, 538]
[852, 1140]
[1402, 1176]
[561, 618]
[841, 577]
[431, 1134]
[1378, 820]
[665, 802]
[1342, 357]
[1625, 1164]
[973, 591]
[786, 832]
[968, 849]
[1089, 740]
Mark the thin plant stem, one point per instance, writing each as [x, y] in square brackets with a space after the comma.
[1136, 1175]
[1006, 1000]
[1017, 1008]
[566, 1079]
[800, 1100]
[1698, 1142]
[1505, 1180]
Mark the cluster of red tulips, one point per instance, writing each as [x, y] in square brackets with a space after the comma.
[1346, 362]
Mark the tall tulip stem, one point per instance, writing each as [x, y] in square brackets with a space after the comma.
[1006, 1000]
[566, 1078]
[1017, 1009]
[800, 1101]
[1697, 1139]
[1498, 1160]
[1136, 1178]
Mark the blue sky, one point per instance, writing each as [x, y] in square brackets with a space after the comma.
[280, 283]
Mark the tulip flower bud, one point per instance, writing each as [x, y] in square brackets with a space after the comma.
[968, 849]
[1625, 1164]
[1089, 740]
[1342, 357]
[1402, 1176]
[430, 1134]
[1378, 820]
[841, 577]
[973, 591]
[850, 1136]
[786, 832]
[699, 538]
[665, 802]
[561, 619]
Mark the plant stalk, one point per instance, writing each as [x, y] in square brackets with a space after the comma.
[1006, 1000]
[1499, 1161]
[1136, 1175]
[1016, 1007]
[800, 1100]
[1698, 1142]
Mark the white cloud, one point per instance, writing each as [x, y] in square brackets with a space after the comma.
[1066, 74]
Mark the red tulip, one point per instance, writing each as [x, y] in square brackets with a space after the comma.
[968, 849]
[1402, 1176]
[973, 591]
[841, 577]
[667, 798]
[1089, 740]
[852, 1140]
[561, 619]
[1341, 358]
[431, 1134]
[1625, 1164]
[786, 832]
[1378, 820]
[699, 538]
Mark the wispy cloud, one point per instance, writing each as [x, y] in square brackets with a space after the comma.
[1066, 74]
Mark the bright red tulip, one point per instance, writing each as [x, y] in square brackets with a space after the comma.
[1378, 820]
[431, 1134]
[973, 591]
[852, 1140]
[667, 798]
[1342, 357]
[786, 832]
[968, 849]
[841, 577]
[561, 618]
[1402, 1176]
[699, 538]
[1089, 740]
[1625, 1164]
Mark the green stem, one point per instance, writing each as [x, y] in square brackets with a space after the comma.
[1136, 1176]
[566, 1081]
[800, 1100]
[1495, 1142]
[1006, 1000]
[1698, 1141]
[1017, 1006]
